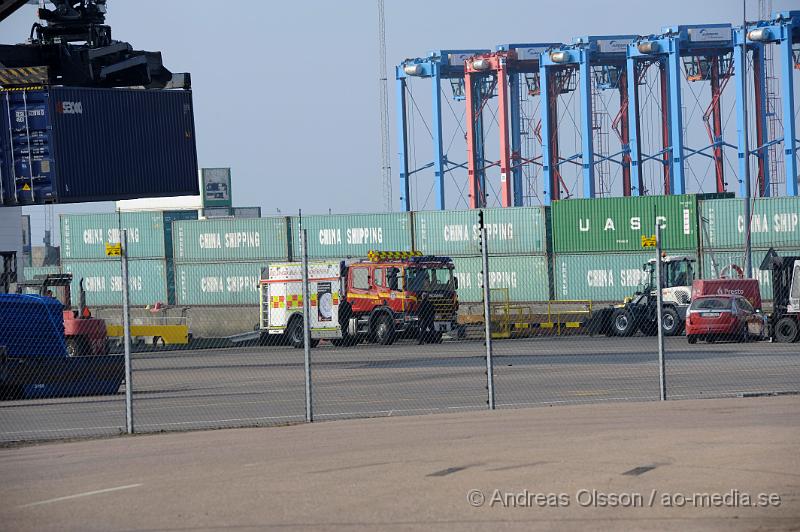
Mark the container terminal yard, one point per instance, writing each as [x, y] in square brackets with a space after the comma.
[606, 222]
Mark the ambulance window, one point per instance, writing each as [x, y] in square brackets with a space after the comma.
[361, 278]
[378, 277]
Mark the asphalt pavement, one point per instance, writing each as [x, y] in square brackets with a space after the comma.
[720, 464]
[253, 386]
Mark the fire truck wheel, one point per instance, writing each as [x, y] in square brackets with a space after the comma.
[383, 330]
[786, 330]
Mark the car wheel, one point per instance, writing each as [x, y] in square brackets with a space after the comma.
[670, 322]
[786, 330]
[691, 338]
[622, 323]
[383, 330]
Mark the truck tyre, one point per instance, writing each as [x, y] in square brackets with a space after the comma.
[295, 334]
[648, 328]
[691, 338]
[383, 330]
[77, 346]
[786, 330]
[670, 322]
[622, 323]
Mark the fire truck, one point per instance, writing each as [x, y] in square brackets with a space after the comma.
[387, 296]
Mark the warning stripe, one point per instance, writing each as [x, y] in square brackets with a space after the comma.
[24, 76]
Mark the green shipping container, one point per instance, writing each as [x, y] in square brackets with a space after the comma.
[730, 263]
[352, 235]
[618, 224]
[233, 239]
[511, 231]
[525, 277]
[84, 236]
[102, 280]
[31, 271]
[601, 277]
[218, 283]
[775, 222]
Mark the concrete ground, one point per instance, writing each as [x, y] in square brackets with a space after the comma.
[579, 467]
[217, 388]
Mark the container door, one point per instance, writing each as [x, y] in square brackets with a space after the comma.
[28, 165]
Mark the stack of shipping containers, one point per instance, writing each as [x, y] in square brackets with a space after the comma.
[83, 254]
[775, 222]
[597, 243]
[219, 261]
[517, 240]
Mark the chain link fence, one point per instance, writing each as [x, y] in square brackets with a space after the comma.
[391, 334]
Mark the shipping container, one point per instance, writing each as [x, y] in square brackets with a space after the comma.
[232, 212]
[231, 239]
[102, 281]
[352, 235]
[618, 224]
[775, 222]
[731, 264]
[84, 236]
[510, 231]
[218, 283]
[524, 276]
[602, 276]
[32, 271]
[72, 144]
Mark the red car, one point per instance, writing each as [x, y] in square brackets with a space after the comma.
[716, 317]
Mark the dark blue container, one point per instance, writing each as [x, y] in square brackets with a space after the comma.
[72, 144]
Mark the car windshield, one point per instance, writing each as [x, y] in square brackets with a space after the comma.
[429, 279]
[711, 303]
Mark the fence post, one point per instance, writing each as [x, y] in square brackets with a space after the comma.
[306, 325]
[126, 326]
[487, 315]
[662, 377]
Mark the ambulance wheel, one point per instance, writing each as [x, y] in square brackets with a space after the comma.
[295, 334]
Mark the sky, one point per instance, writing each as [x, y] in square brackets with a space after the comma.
[286, 93]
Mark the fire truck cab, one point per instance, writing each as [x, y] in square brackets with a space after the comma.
[381, 298]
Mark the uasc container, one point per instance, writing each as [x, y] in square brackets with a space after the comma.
[510, 231]
[233, 239]
[618, 224]
[73, 144]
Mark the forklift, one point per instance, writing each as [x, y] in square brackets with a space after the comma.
[84, 334]
[785, 319]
